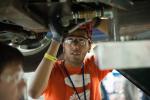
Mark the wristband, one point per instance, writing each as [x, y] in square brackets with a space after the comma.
[50, 57]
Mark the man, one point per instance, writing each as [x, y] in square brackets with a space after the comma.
[73, 78]
[11, 81]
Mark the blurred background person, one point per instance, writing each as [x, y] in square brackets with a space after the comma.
[12, 84]
[131, 92]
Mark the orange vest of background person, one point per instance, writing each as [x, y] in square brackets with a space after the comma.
[60, 88]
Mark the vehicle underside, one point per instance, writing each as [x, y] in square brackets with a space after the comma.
[25, 24]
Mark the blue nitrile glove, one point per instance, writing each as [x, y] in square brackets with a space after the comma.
[56, 35]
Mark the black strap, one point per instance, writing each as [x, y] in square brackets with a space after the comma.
[67, 73]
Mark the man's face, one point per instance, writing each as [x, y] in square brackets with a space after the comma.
[13, 74]
[76, 45]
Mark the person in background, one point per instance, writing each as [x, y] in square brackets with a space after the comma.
[76, 77]
[145, 96]
[131, 92]
[105, 95]
[11, 82]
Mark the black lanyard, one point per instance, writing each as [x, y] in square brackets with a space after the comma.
[67, 73]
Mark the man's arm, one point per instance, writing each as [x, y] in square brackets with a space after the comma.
[43, 71]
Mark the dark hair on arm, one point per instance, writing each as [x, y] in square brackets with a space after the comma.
[8, 55]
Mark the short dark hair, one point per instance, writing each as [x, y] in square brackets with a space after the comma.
[9, 54]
